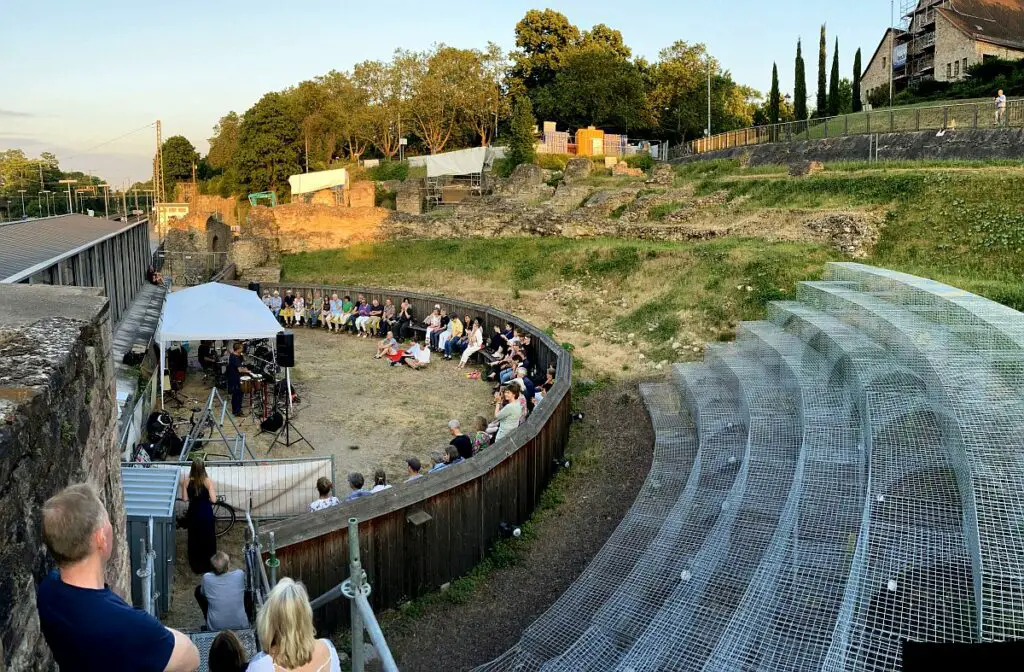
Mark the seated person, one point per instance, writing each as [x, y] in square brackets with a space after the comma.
[418, 356]
[347, 311]
[481, 439]
[221, 595]
[437, 461]
[362, 317]
[87, 625]
[288, 308]
[384, 347]
[372, 325]
[507, 411]
[316, 309]
[207, 355]
[496, 342]
[299, 310]
[287, 636]
[267, 300]
[356, 313]
[440, 337]
[451, 455]
[380, 481]
[413, 467]
[355, 482]
[528, 386]
[463, 444]
[154, 277]
[433, 334]
[331, 312]
[395, 355]
[275, 303]
[227, 653]
[433, 321]
[387, 320]
[405, 318]
[456, 339]
[326, 500]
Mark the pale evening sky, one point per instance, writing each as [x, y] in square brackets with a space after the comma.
[78, 74]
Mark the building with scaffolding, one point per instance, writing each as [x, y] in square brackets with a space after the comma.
[941, 39]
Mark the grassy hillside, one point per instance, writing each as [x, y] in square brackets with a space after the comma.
[614, 300]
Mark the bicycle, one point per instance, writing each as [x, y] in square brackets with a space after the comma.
[224, 515]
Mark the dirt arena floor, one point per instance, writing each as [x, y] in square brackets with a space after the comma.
[361, 410]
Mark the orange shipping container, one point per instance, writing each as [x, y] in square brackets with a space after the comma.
[589, 141]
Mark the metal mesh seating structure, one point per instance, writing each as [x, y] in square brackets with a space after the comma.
[846, 475]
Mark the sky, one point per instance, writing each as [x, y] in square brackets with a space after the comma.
[87, 80]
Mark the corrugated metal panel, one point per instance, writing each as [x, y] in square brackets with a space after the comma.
[25, 244]
[149, 492]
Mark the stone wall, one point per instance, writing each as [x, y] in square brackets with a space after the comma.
[57, 427]
[964, 144]
[303, 228]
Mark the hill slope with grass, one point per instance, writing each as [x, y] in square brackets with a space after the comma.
[628, 307]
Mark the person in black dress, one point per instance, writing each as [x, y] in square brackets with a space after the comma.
[235, 371]
[202, 534]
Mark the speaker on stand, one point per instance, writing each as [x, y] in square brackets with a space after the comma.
[286, 360]
[254, 287]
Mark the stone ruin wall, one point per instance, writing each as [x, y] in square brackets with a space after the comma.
[58, 422]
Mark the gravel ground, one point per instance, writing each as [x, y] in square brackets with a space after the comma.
[461, 636]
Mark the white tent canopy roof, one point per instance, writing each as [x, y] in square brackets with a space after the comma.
[215, 311]
[461, 162]
[304, 183]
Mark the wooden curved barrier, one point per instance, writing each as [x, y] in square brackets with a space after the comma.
[415, 537]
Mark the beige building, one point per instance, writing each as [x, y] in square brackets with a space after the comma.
[943, 39]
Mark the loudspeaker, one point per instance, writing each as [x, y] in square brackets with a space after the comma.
[286, 349]
[273, 422]
[254, 287]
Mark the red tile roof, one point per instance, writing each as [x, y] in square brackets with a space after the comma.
[999, 22]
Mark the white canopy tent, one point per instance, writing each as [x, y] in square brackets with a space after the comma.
[460, 162]
[212, 312]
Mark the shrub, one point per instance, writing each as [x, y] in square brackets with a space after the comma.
[521, 141]
[642, 161]
[388, 170]
[552, 161]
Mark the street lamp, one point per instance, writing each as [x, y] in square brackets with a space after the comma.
[69, 183]
[106, 192]
[44, 196]
[22, 192]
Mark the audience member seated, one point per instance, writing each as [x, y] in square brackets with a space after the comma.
[456, 340]
[529, 387]
[287, 636]
[275, 304]
[380, 481]
[227, 653]
[267, 301]
[207, 355]
[372, 323]
[331, 312]
[385, 346]
[86, 625]
[474, 344]
[395, 355]
[439, 338]
[387, 320]
[437, 461]
[154, 277]
[348, 309]
[549, 381]
[316, 310]
[299, 310]
[451, 455]
[413, 466]
[481, 439]
[288, 308]
[463, 444]
[507, 411]
[221, 595]
[405, 319]
[355, 482]
[326, 499]
[418, 356]
[433, 322]
[361, 309]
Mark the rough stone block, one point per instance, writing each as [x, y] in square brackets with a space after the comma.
[362, 194]
[577, 169]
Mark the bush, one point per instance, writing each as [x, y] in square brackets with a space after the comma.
[388, 170]
[385, 198]
[642, 161]
[553, 161]
[521, 141]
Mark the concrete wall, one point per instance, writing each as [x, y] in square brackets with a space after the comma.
[953, 145]
[57, 427]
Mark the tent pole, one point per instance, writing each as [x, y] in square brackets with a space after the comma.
[163, 369]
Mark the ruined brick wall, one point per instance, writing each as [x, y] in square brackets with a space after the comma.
[301, 227]
[58, 423]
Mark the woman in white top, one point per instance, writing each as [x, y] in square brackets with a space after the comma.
[285, 627]
[476, 341]
[326, 499]
[380, 481]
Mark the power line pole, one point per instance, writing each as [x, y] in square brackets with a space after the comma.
[106, 194]
[892, 45]
[158, 164]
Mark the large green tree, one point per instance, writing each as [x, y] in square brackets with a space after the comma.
[799, 86]
[596, 87]
[268, 139]
[544, 40]
[603, 37]
[822, 102]
[521, 138]
[385, 87]
[833, 86]
[857, 104]
[845, 95]
[179, 157]
[224, 142]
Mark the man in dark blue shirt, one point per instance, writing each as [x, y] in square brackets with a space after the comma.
[235, 371]
[86, 625]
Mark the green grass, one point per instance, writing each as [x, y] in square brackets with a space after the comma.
[919, 116]
[663, 210]
[822, 190]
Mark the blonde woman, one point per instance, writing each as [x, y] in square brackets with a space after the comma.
[285, 628]
[476, 342]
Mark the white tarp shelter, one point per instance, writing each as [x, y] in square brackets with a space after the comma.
[305, 183]
[461, 162]
[212, 312]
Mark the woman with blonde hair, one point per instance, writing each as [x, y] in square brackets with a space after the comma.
[198, 490]
[285, 628]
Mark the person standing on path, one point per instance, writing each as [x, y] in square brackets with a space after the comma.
[198, 490]
[1000, 108]
[235, 371]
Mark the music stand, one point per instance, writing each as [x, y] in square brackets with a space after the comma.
[287, 428]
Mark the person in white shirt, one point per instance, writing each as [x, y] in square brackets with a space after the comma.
[380, 481]
[417, 356]
[285, 628]
[476, 342]
[1000, 108]
[326, 499]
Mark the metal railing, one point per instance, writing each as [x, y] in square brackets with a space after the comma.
[187, 269]
[978, 115]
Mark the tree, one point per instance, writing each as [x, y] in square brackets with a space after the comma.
[224, 142]
[267, 151]
[822, 102]
[845, 95]
[348, 112]
[595, 87]
[833, 87]
[441, 83]
[387, 92]
[179, 157]
[484, 104]
[774, 97]
[544, 38]
[800, 87]
[603, 37]
[521, 141]
[857, 105]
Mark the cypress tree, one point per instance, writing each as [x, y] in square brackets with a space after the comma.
[857, 105]
[800, 87]
[833, 86]
[822, 102]
[774, 98]
[521, 140]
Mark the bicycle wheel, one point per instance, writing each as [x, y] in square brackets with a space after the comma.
[224, 518]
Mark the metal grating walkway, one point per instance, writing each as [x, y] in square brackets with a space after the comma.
[846, 475]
